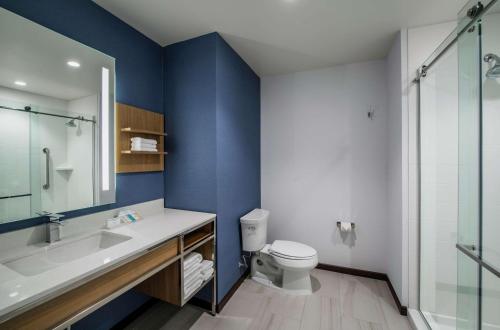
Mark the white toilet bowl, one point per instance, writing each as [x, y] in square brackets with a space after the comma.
[283, 264]
[290, 271]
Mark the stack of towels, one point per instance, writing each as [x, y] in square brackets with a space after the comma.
[141, 144]
[196, 271]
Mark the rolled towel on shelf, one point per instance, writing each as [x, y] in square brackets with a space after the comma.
[206, 274]
[192, 259]
[206, 264]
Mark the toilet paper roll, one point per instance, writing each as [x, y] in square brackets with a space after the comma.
[345, 226]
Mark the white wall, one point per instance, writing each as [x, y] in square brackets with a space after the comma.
[323, 160]
[397, 252]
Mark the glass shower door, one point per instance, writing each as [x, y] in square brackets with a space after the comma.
[478, 303]
[439, 190]
[15, 187]
[490, 247]
[469, 179]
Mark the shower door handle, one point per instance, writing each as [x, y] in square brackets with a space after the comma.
[46, 151]
[470, 251]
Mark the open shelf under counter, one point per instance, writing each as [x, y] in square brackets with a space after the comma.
[186, 299]
[168, 284]
[197, 235]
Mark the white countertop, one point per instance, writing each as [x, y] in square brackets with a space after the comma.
[17, 291]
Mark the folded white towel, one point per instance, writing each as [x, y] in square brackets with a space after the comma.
[193, 278]
[192, 288]
[149, 142]
[192, 271]
[206, 274]
[206, 264]
[191, 259]
[143, 140]
[143, 145]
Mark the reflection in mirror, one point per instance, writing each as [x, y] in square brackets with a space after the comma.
[56, 119]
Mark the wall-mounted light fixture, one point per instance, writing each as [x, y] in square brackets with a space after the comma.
[105, 166]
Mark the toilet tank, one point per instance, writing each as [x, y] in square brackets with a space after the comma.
[254, 230]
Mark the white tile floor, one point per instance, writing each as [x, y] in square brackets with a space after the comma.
[340, 302]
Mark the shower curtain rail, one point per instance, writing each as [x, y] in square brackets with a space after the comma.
[28, 109]
[474, 13]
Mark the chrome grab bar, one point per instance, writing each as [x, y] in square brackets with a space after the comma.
[470, 251]
[46, 151]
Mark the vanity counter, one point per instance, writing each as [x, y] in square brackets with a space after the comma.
[19, 292]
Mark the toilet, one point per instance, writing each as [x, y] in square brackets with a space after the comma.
[284, 265]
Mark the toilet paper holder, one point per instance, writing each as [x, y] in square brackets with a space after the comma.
[352, 224]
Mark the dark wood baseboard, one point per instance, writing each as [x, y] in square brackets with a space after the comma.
[353, 271]
[403, 310]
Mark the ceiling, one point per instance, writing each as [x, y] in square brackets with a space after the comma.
[282, 36]
[38, 56]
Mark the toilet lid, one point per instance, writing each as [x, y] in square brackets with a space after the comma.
[292, 250]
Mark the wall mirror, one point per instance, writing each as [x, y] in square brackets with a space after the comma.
[56, 122]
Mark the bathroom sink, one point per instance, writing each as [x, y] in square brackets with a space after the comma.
[63, 252]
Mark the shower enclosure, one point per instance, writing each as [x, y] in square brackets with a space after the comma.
[459, 175]
[47, 162]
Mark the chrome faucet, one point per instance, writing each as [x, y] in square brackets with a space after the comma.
[54, 227]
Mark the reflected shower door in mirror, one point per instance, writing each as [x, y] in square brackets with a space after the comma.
[56, 122]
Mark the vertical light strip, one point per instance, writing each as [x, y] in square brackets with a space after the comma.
[105, 129]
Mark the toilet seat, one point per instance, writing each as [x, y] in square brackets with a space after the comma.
[292, 250]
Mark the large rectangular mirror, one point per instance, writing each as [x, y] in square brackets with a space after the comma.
[56, 122]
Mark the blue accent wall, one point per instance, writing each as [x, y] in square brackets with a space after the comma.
[238, 157]
[213, 117]
[139, 82]
[190, 103]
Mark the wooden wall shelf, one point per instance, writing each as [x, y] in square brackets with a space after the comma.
[132, 152]
[135, 122]
[142, 131]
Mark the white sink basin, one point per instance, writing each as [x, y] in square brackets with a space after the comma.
[63, 252]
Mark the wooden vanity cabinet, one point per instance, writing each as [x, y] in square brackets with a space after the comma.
[66, 308]
[157, 272]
